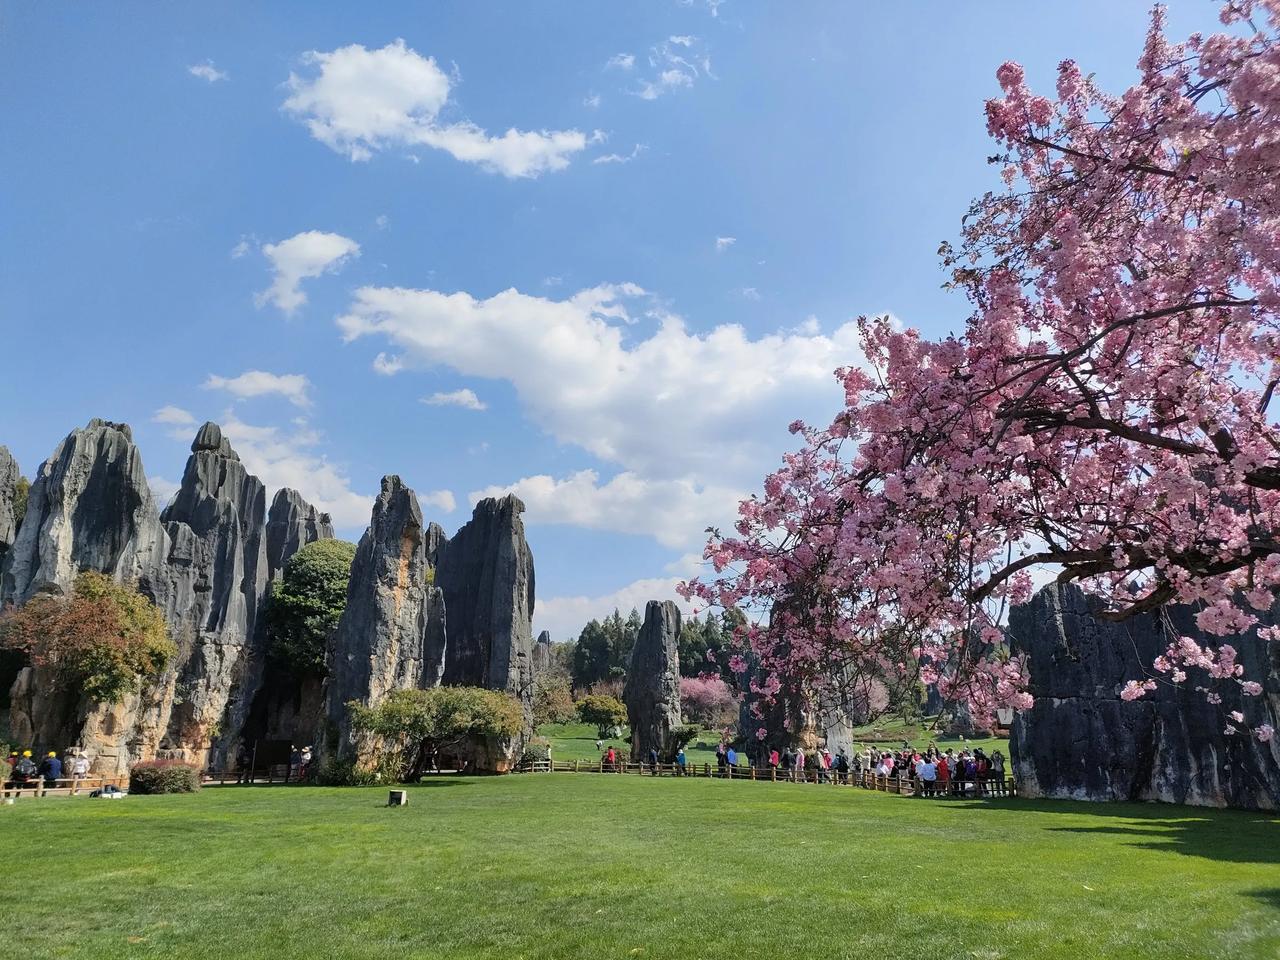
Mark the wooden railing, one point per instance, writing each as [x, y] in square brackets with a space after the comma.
[988, 786]
[62, 787]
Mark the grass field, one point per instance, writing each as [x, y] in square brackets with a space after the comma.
[591, 866]
[577, 741]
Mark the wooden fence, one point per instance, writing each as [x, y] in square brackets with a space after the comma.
[66, 787]
[989, 786]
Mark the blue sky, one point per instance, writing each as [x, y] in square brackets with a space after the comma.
[310, 223]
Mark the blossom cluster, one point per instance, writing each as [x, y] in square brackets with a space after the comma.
[1106, 412]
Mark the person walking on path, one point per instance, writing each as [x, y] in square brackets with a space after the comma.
[610, 758]
[653, 761]
[731, 759]
[680, 762]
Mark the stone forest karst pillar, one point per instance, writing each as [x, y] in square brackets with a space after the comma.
[652, 691]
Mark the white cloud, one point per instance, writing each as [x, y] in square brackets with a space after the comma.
[674, 512]
[591, 101]
[173, 415]
[361, 101]
[258, 383]
[240, 249]
[381, 221]
[638, 149]
[678, 63]
[566, 616]
[621, 61]
[440, 499]
[207, 71]
[288, 458]
[724, 243]
[458, 398]
[690, 418]
[388, 364]
[749, 293]
[303, 256]
[162, 490]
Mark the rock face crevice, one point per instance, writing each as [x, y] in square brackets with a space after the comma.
[381, 643]
[1081, 741]
[652, 690]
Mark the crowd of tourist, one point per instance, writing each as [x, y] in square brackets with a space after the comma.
[24, 770]
[933, 771]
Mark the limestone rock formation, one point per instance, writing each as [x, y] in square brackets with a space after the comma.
[292, 523]
[214, 584]
[1082, 741]
[9, 521]
[486, 573]
[652, 691]
[542, 653]
[89, 508]
[381, 643]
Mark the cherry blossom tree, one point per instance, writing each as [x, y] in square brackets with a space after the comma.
[1106, 412]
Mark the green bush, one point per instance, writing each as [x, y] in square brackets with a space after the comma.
[536, 749]
[403, 732]
[163, 776]
[603, 712]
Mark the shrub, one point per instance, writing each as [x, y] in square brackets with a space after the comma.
[535, 749]
[602, 711]
[102, 640]
[410, 726]
[163, 776]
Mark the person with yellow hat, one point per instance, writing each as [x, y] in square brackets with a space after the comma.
[51, 768]
[25, 768]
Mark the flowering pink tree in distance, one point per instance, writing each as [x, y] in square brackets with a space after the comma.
[1107, 411]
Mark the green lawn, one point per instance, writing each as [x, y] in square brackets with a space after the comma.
[591, 866]
[577, 741]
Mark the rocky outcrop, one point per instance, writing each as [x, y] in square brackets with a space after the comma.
[652, 691]
[486, 573]
[292, 523]
[542, 653]
[214, 583]
[207, 561]
[9, 520]
[381, 643]
[89, 508]
[1081, 741]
